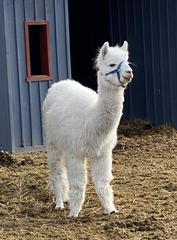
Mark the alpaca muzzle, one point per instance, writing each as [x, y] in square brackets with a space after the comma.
[117, 70]
[128, 77]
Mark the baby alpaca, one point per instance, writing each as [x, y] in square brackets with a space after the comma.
[81, 124]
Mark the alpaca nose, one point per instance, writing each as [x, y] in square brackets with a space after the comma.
[129, 71]
[128, 75]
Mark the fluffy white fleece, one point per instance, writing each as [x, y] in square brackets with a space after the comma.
[81, 124]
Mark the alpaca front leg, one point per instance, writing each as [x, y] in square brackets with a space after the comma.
[102, 176]
[77, 176]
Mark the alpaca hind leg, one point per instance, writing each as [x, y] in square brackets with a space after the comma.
[58, 176]
[77, 176]
[102, 176]
[64, 181]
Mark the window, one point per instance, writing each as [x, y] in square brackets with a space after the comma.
[38, 50]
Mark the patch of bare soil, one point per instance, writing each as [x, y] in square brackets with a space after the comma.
[145, 189]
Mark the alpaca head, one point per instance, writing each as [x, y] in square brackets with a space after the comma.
[112, 63]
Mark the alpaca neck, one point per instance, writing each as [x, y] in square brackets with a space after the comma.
[109, 105]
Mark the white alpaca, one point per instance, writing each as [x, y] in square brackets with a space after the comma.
[81, 124]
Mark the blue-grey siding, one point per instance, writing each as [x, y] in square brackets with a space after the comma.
[5, 130]
[150, 28]
[148, 25]
[26, 98]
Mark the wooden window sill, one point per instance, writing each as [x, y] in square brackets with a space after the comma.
[39, 78]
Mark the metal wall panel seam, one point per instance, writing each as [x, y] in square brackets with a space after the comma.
[68, 55]
[50, 15]
[144, 60]
[29, 91]
[18, 70]
[61, 39]
[111, 26]
[161, 68]
[153, 75]
[55, 23]
[170, 63]
[12, 74]
[127, 39]
[24, 83]
[156, 64]
[7, 136]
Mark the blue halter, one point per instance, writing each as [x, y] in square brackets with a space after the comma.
[117, 71]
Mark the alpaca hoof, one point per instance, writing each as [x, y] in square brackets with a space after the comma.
[65, 199]
[113, 211]
[57, 207]
[73, 216]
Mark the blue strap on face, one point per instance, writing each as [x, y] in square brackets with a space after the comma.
[117, 71]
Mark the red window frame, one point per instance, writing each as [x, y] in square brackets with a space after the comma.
[45, 53]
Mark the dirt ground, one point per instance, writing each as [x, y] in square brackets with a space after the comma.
[145, 189]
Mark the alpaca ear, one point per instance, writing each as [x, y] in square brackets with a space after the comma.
[104, 49]
[125, 46]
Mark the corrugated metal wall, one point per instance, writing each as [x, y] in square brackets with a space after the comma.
[150, 28]
[5, 130]
[26, 97]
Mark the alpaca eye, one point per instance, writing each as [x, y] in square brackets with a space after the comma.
[112, 65]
